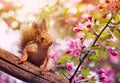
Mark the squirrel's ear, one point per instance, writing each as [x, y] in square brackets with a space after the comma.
[36, 27]
[43, 25]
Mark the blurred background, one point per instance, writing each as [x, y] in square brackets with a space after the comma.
[61, 17]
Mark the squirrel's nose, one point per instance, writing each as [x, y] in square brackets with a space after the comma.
[50, 42]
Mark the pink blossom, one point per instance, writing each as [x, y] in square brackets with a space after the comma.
[110, 72]
[53, 54]
[76, 51]
[74, 47]
[113, 6]
[80, 27]
[79, 78]
[4, 78]
[103, 78]
[74, 43]
[69, 66]
[102, 75]
[101, 70]
[107, 75]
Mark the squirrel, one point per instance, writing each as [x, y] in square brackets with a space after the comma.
[35, 43]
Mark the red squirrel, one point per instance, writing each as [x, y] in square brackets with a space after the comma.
[35, 43]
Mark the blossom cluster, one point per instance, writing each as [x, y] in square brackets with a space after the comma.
[111, 6]
[102, 75]
[75, 47]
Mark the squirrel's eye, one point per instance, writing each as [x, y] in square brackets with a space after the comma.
[42, 38]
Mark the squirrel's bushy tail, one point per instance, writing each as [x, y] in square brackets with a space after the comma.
[27, 35]
[33, 33]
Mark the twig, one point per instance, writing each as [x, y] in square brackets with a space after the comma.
[101, 32]
[87, 53]
[65, 76]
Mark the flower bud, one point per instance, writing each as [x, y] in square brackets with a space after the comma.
[114, 53]
[104, 15]
[76, 29]
[90, 18]
[88, 25]
[100, 7]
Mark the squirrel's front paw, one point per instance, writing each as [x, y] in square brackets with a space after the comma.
[43, 68]
[20, 61]
[23, 58]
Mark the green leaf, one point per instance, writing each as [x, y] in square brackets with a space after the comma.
[101, 52]
[61, 71]
[104, 35]
[110, 43]
[96, 15]
[105, 55]
[91, 35]
[103, 21]
[75, 60]
[85, 71]
[118, 12]
[117, 19]
[64, 58]
[94, 57]
[97, 53]
[114, 15]
[96, 27]
[98, 48]
[117, 34]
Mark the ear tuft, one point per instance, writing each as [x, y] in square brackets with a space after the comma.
[43, 25]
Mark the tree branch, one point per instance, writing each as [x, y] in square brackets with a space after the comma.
[26, 72]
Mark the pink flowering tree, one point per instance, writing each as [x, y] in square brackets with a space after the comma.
[93, 55]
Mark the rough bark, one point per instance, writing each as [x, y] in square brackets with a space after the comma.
[26, 72]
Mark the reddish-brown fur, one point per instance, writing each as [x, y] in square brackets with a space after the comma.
[35, 43]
